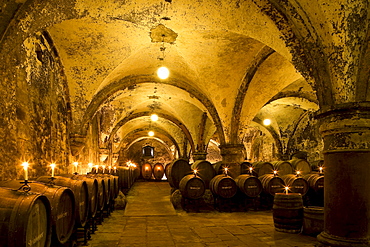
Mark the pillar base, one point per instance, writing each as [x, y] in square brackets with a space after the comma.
[326, 239]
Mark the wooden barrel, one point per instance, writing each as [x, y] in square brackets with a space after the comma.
[272, 184]
[282, 167]
[177, 170]
[62, 202]
[301, 165]
[24, 219]
[146, 171]
[166, 170]
[313, 220]
[192, 187]
[287, 212]
[218, 167]
[80, 190]
[262, 168]
[158, 171]
[250, 185]
[115, 185]
[244, 168]
[315, 181]
[107, 188]
[177, 199]
[125, 178]
[315, 165]
[296, 184]
[223, 186]
[101, 195]
[92, 187]
[205, 170]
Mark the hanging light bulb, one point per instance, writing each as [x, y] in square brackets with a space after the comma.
[151, 133]
[154, 117]
[266, 122]
[163, 73]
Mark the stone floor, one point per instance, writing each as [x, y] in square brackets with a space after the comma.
[149, 220]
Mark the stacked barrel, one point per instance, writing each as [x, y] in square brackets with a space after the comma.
[256, 185]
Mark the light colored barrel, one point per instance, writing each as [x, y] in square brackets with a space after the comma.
[192, 187]
[272, 184]
[223, 186]
[296, 184]
[282, 167]
[205, 170]
[288, 212]
[250, 185]
[262, 168]
[301, 165]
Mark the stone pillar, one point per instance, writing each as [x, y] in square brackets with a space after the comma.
[232, 157]
[346, 134]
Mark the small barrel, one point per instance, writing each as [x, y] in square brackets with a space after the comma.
[301, 165]
[205, 170]
[101, 195]
[251, 186]
[146, 171]
[315, 181]
[313, 220]
[262, 168]
[62, 202]
[315, 165]
[192, 187]
[287, 212]
[177, 170]
[282, 167]
[158, 171]
[223, 186]
[80, 190]
[24, 219]
[296, 184]
[272, 184]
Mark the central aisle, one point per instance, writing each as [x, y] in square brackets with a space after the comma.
[149, 199]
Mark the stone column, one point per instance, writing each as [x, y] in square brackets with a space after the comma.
[346, 133]
[232, 157]
[199, 156]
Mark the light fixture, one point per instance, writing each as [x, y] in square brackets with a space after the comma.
[266, 122]
[163, 73]
[154, 117]
[151, 133]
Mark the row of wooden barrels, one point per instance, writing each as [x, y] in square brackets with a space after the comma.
[180, 176]
[46, 211]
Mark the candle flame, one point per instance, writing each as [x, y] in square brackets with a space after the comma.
[195, 171]
[25, 165]
[298, 172]
[52, 165]
[275, 172]
[90, 165]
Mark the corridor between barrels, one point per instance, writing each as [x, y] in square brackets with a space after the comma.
[150, 220]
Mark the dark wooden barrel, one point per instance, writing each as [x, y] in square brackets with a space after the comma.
[223, 186]
[218, 167]
[158, 171]
[166, 170]
[315, 165]
[315, 181]
[301, 165]
[107, 187]
[24, 219]
[244, 168]
[282, 167]
[177, 170]
[135, 173]
[92, 187]
[146, 171]
[192, 187]
[262, 168]
[251, 186]
[101, 195]
[177, 199]
[296, 184]
[287, 212]
[115, 185]
[125, 179]
[313, 220]
[272, 184]
[205, 170]
[80, 190]
[62, 202]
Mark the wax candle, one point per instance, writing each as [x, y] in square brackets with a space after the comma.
[250, 170]
[52, 169]
[286, 189]
[25, 168]
[75, 164]
[225, 170]
[103, 166]
[275, 173]
[320, 168]
[195, 172]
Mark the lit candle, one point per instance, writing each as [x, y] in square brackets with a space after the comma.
[52, 169]
[25, 168]
[286, 189]
[103, 167]
[250, 170]
[320, 168]
[75, 166]
[114, 168]
[90, 165]
[275, 173]
[298, 173]
[225, 170]
[146, 168]
[109, 168]
[195, 172]
[96, 168]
